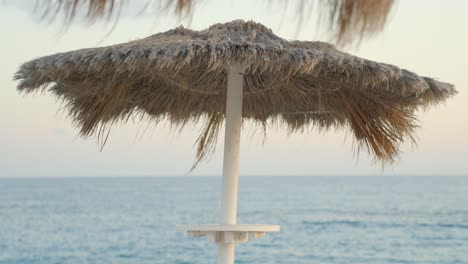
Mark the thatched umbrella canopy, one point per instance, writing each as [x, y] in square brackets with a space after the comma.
[236, 71]
[180, 75]
[346, 20]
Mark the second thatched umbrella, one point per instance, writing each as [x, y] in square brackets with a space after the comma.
[236, 71]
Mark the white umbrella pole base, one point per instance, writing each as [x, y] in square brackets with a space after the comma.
[227, 234]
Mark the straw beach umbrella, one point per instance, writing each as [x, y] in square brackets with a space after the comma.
[234, 72]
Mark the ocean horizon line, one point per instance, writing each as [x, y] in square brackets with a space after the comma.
[244, 176]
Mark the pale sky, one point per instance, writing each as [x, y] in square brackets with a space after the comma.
[429, 37]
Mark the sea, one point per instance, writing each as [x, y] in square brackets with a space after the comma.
[132, 220]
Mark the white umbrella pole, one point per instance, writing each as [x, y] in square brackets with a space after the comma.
[228, 232]
[231, 158]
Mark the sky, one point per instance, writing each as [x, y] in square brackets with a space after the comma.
[428, 37]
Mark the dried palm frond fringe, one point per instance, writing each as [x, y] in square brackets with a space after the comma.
[348, 20]
[181, 76]
[351, 20]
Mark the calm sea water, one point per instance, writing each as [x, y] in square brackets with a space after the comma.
[323, 219]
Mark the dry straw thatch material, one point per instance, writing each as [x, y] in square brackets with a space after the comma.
[180, 75]
[347, 20]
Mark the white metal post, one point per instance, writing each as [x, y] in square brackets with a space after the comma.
[231, 158]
